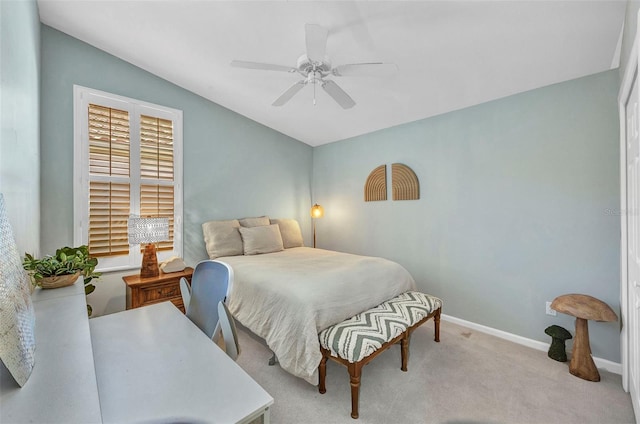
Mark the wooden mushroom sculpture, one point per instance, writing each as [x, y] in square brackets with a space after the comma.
[584, 308]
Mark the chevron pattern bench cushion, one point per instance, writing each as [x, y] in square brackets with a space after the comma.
[363, 334]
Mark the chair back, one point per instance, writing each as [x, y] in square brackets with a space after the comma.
[210, 284]
[229, 334]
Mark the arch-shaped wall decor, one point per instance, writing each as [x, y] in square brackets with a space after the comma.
[404, 183]
[376, 186]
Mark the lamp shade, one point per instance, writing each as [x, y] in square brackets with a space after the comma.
[317, 211]
[148, 230]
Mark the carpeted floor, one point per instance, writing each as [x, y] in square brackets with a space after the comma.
[469, 377]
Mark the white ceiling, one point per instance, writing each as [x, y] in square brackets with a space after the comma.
[450, 54]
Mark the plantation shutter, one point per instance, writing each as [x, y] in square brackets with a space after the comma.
[127, 162]
[109, 185]
[156, 172]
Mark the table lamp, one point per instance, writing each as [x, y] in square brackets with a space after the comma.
[316, 212]
[148, 231]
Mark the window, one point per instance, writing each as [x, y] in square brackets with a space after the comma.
[128, 161]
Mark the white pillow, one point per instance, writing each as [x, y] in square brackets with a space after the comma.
[222, 238]
[254, 222]
[262, 239]
[290, 231]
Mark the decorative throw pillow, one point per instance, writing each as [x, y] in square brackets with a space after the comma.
[222, 238]
[17, 317]
[290, 231]
[254, 222]
[263, 239]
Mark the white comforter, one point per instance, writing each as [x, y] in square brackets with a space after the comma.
[288, 297]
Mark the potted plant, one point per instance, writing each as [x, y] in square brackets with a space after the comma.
[63, 269]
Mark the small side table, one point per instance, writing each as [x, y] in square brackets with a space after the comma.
[147, 291]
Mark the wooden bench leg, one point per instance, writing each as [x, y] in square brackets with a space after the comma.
[404, 349]
[354, 374]
[355, 368]
[322, 372]
[436, 323]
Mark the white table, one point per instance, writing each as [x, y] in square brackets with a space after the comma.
[154, 365]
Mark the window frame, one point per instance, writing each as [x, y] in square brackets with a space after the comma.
[82, 97]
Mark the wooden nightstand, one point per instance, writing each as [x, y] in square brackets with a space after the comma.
[147, 291]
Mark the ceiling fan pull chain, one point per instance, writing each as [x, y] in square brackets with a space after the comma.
[314, 93]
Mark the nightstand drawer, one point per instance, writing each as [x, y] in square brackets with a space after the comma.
[164, 292]
[147, 291]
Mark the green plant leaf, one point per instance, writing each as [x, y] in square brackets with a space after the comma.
[67, 260]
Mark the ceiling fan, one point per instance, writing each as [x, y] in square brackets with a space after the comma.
[315, 67]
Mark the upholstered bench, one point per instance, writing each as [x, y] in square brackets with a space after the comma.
[356, 341]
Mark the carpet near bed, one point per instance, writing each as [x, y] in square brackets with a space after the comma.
[469, 377]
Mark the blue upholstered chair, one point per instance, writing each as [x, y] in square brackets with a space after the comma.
[210, 283]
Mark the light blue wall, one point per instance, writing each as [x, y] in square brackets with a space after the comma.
[233, 167]
[519, 202]
[20, 119]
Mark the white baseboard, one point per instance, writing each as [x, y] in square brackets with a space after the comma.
[605, 364]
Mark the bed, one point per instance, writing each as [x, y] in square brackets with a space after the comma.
[287, 295]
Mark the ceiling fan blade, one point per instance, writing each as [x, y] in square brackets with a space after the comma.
[261, 66]
[316, 39]
[374, 69]
[338, 94]
[287, 95]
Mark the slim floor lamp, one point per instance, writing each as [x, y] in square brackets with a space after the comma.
[316, 212]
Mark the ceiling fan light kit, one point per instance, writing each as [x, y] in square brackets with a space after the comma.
[315, 68]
